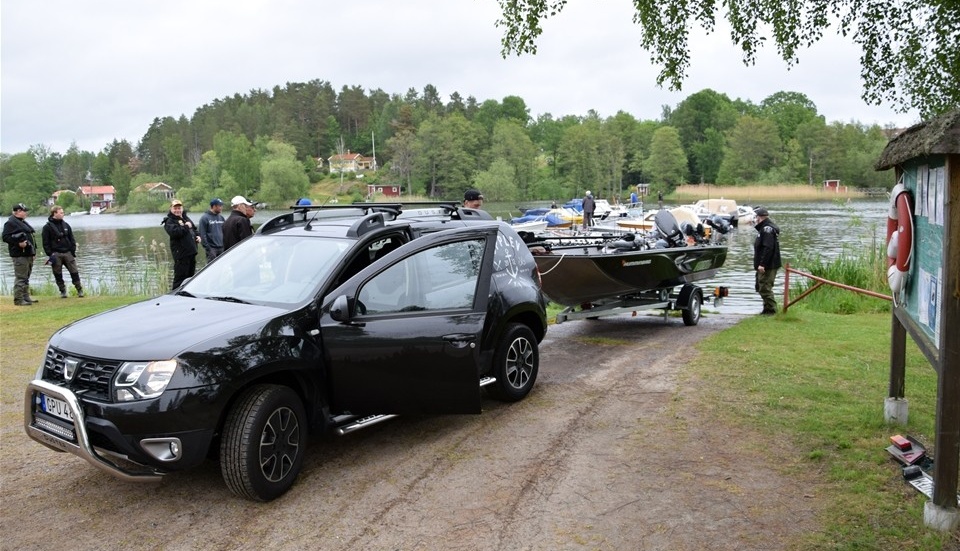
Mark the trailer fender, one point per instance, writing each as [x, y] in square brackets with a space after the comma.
[685, 297]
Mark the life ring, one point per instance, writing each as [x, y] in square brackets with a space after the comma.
[899, 238]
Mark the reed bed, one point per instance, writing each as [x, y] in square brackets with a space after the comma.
[753, 195]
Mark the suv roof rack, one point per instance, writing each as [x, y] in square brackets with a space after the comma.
[390, 211]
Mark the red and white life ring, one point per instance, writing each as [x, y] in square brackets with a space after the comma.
[899, 237]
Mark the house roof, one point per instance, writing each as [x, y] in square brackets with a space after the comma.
[97, 190]
[153, 186]
[346, 157]
[937, 136]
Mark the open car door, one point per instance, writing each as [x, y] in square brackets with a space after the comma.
[403, 335]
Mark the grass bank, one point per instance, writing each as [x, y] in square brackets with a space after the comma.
[805, 380]
[816, 382]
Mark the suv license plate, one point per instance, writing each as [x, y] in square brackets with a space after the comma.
[55, 407]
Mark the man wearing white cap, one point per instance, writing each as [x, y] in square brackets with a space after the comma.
[238, 226]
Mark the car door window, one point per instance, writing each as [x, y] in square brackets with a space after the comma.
[438, 278]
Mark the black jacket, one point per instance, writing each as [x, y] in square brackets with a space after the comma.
[766, 248]
[58, 237]
[183, 239]
[16, 230]
[236, 229]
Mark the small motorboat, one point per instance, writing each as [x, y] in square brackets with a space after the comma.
[725, 209]
[534, 224]
[590, 270]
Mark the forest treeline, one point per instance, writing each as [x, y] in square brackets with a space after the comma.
[267, 144]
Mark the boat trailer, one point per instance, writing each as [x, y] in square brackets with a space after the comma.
[689, 301]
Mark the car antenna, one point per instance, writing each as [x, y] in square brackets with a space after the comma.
[309, 225]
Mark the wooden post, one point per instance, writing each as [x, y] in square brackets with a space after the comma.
[947, 453]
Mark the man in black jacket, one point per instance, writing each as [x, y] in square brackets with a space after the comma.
[183, 242]
[18, 235]
[238, 226]
[61, 249]
[766, 259]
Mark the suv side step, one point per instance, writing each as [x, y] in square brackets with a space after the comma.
[371, 420]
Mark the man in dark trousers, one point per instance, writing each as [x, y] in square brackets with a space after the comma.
[18, 235]
[238, 226]
[61, 249]
[183, 242]
[766, 259]
[211, 230]
[588, 207]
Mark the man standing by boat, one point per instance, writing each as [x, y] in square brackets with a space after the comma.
[472, 199]
[766, 259]
[589, 206]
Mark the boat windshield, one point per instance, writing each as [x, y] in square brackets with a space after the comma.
[278, 269]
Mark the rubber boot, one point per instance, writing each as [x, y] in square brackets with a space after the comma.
[63, 292]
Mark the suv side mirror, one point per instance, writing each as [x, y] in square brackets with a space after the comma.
[340, 311]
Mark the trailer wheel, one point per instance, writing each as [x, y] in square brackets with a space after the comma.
[691, 314]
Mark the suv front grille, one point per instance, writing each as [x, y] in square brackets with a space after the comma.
[92, 376]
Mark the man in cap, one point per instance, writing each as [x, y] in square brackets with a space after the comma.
[183, 242]
[211, 230]
[472, 199]
[238, 226]
[588, 207]
[766, 259]
[18, 235]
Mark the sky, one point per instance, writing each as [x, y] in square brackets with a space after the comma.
[92, 72]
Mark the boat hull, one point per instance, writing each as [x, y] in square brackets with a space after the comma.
[574, 276]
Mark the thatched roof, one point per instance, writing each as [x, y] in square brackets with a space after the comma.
[939, 136]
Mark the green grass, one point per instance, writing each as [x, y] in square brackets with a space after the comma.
[817, 381]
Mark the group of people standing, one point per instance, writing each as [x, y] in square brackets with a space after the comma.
[214, 233]
[59, 246]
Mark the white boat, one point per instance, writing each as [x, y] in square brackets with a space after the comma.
[724, 208]
[534, 226]
[94, 210]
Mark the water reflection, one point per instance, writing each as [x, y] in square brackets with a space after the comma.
[134, 251]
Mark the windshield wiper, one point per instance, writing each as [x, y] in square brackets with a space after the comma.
[184, 294]
[228, 299]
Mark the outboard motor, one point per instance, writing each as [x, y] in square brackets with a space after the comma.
[718, 223]
[668, 228]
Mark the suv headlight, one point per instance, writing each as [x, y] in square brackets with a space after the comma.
[142, 380]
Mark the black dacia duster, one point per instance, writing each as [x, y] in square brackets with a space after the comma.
[325, 319]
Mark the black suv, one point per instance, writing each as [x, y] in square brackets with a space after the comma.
[327, 319]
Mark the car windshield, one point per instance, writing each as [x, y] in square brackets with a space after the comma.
[274, 269]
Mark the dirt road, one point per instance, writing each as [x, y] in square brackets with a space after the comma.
[610, 451]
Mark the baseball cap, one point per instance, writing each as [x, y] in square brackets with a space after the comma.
[20, 206]
[472, 195]
[760, 211]
[176, 203]
[240, 200]
[215, 201]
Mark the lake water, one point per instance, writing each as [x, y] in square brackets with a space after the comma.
[135, 248]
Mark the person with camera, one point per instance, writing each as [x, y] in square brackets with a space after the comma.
[61, 249]
[18, 235]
